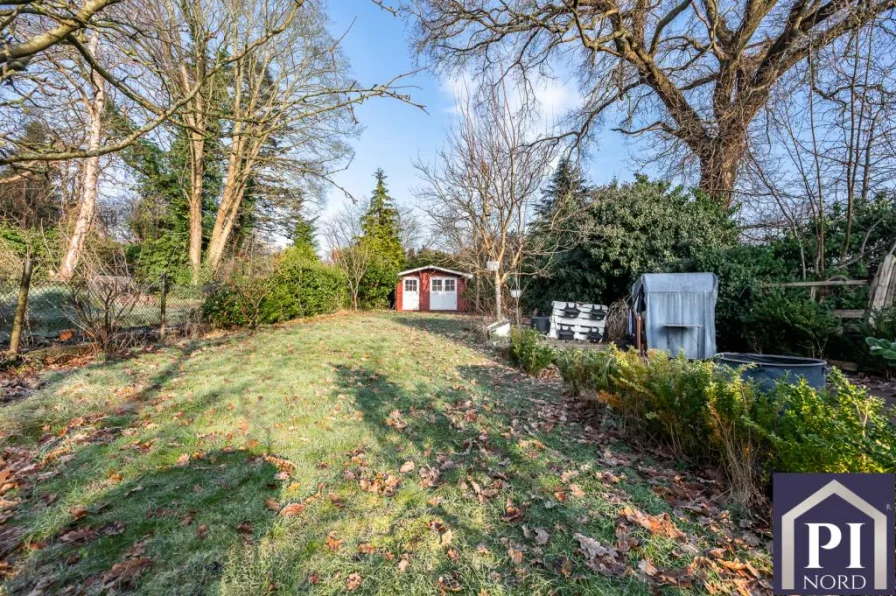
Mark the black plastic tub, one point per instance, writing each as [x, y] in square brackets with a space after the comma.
[767, 370]
[541, 324]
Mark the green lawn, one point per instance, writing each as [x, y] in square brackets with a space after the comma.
[377, 452]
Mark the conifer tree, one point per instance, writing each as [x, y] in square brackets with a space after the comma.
[568, 188]
[380, 235]
[303, 232]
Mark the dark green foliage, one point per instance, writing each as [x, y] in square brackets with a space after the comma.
[626, 230]
[528, 350]
[379, 227]
[301, 286]
[883, 348]
[709, 413]
[30, 197]
[568, 189]
[852, 344]
[303, 235]
[790, 323]
[237, 303]
[161, 221]
[429, 256]
[741, 269]
[15, 242]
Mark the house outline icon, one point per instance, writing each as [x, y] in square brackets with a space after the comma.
[788, 532]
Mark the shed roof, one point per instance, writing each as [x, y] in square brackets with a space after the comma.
[677, 282]
[442, 269]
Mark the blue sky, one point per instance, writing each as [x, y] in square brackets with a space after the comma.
[396, 134]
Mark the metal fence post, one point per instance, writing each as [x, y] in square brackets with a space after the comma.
[163, 304]
[21, 306]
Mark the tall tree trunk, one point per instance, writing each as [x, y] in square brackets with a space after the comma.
[197, 176]
[232, 196]
[719, 161]
[196, 119]
[90, 182]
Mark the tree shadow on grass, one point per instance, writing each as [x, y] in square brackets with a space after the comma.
[495, 477]
[156, 512]
[184, 520]
[454, 327]
[28, 423]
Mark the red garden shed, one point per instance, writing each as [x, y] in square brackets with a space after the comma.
[431, 288]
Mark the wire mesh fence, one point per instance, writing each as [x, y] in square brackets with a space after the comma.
[86, 308]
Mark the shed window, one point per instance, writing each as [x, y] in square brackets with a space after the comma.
[410, 284]
[450, 285]
[437, 285]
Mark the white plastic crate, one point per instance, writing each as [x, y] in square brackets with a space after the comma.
[582, 324]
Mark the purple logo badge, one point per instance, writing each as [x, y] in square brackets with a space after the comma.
[834, 533]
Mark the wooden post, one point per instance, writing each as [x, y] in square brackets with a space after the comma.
[883, 287]
[164, 300]
[21, 306]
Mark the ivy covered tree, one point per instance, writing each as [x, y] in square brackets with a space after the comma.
[380, 238]
[160, 220]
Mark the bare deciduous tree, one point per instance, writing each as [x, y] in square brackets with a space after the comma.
[354, 258]
[291, 108]
[94, 106]
[695, 73]
[827, 141]
[482, 189]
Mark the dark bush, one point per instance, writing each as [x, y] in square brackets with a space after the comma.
[790, 323]
[300, 286]
[303, 287]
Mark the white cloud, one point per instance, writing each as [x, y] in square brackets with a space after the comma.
[554, 98]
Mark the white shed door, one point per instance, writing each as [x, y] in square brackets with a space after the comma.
[410, 295]
[443, 293]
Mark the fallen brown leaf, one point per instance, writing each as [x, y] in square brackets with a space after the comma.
[647, 567]
[657, 524]
[333, 541]
[124, 573]
[292, 510]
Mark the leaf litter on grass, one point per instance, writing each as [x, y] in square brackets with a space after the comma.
[525, 489]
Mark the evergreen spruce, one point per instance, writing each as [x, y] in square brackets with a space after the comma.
[303, 240]
[568, 189]
[380, 235]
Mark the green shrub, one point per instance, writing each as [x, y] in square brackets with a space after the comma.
[841, 429]
[709, 413]
[237, 303]
[303, 287]
[300, 286]
[528, 351]
[787, 323]
[585, 369]
[854, 345]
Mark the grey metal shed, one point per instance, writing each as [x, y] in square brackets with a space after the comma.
[678, 312]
